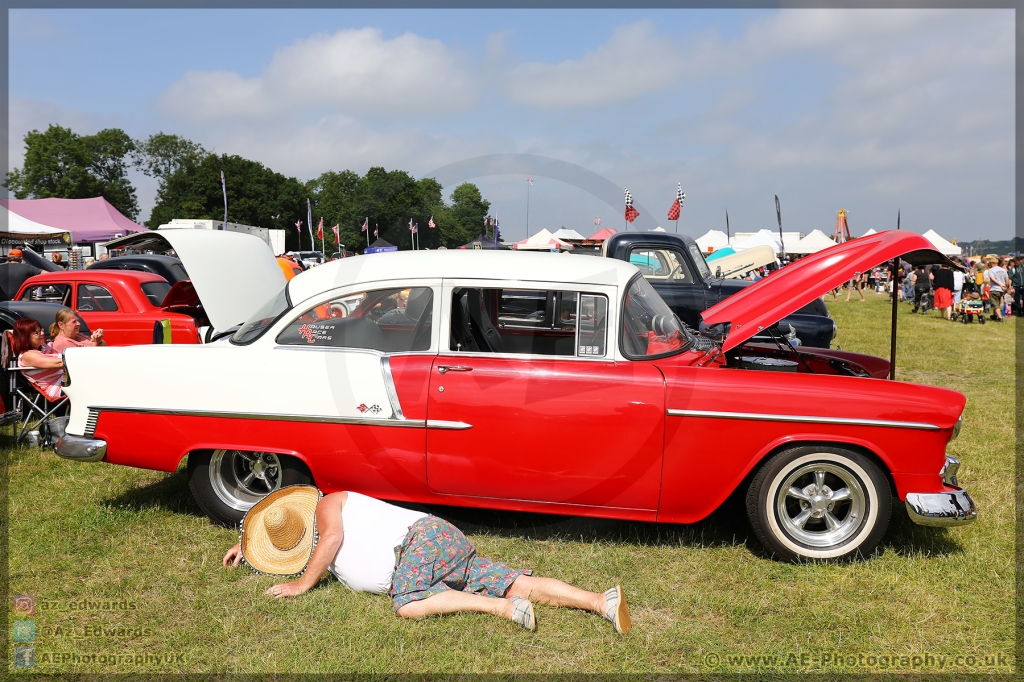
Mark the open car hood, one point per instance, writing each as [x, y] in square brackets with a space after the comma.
[794, 286]
[233, 273]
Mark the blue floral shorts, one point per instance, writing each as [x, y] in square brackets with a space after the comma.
[435, 556]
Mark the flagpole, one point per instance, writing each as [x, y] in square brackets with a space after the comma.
[528, 209]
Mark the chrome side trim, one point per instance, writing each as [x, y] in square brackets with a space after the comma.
[941, 509]
[81, 449]
[450, 426]
[313, 418]
[389, 384]
[90, 423]
[753, 416]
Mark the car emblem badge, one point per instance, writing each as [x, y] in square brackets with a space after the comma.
[372, 409]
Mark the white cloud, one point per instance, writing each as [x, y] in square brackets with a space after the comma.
[352, 71]
[635, 61]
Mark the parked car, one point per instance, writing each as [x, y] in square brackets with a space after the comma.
[337, 255]
[168, 267]
[676, 268]
[309, 258]
[483, 396]
[125, 304]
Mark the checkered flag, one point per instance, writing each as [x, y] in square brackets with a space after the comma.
[631, 213]
[677, 205]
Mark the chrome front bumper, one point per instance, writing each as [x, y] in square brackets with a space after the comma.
[81, 449]
[941, 509]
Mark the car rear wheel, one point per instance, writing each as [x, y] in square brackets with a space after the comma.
[227, 483]
[819, 503]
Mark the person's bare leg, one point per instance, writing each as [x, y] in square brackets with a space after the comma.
[860, 290]
[556, 593]
[454, 601]
[849, 290]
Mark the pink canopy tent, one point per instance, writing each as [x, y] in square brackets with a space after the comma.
[601, 235]
[88, 220]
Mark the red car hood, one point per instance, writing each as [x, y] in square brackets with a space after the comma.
[783, 292]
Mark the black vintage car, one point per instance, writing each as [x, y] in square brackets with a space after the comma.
[675, 266]
[168, 267]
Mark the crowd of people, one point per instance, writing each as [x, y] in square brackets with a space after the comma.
[995, 283]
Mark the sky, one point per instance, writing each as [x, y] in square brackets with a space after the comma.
[872, 111]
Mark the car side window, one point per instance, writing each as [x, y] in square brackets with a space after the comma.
[385, 320]
[661, 265]
[528, 322]
[93, 298]
[50, 293]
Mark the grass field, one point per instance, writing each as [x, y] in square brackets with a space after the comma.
[122, 563]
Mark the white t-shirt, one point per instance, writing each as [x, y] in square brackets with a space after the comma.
[366, 560]
[958, 280]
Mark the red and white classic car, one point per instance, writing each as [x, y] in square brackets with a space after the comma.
[536, 382]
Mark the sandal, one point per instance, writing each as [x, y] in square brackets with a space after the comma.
[522, 613]
[616, 610]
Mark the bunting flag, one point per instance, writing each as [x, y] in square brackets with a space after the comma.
[375, 231]
[366, 225]
[298, 226]
[597, 220]
[430, 223]
[320, 230]
[337, 239]
[529, 180]
[415, 228]
[411, 226]
[309, 219]
[673, 213]
[631, 213]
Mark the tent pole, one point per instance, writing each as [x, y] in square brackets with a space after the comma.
[895, 300]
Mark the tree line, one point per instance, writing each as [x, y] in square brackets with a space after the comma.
[60, 163]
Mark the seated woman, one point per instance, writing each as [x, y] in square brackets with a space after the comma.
[33, 351]
[65, 332]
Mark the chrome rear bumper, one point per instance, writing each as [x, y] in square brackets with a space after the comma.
[941, 509]
[81, 449]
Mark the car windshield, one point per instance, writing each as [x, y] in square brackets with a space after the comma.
[263, 318]
[649, 327]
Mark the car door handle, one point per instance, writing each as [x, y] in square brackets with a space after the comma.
[453, 368]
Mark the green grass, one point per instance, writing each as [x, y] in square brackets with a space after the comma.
[101, 532]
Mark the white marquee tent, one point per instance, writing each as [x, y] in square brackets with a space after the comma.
[812, 243]
[542, 241]
[712, 239]
[762, 237]
[870, 232]
[941, 245]
[569, 235]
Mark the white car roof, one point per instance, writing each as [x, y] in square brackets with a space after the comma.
[461, 264]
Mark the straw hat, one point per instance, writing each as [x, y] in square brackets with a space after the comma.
[278, 533]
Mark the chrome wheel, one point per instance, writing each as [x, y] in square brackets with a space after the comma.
[821, 505]
[240, 479]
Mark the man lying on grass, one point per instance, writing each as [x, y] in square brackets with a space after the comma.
[426, 564]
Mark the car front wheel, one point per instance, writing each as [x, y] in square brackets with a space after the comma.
[227, 483]
[819, 503]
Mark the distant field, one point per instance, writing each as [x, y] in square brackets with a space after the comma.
[122, 563]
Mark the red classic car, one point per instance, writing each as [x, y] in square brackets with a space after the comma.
[536, 382]
[124, 304]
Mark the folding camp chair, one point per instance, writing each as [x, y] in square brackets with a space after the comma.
[33, 409]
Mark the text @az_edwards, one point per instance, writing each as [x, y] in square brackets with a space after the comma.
[863, 661]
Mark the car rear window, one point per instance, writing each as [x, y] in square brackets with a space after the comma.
[156, 291]
[178, 271]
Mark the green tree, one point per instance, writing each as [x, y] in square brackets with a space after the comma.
[62, 164]
[256, 195]
[161, 155]
[389, 200]
[468, 210]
